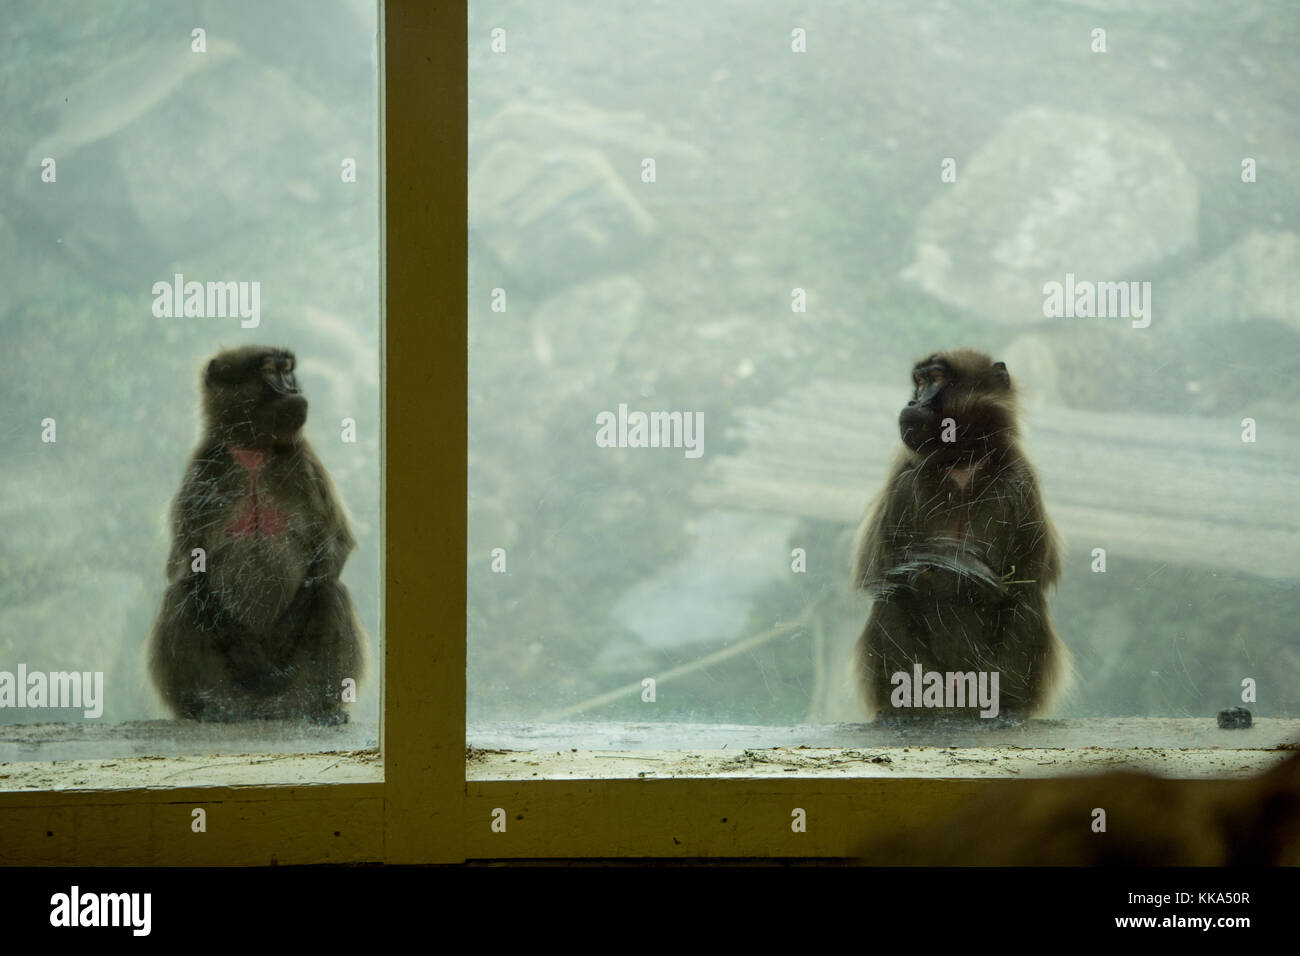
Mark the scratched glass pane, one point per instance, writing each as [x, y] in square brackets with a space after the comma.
[709, 245]
[182, 180]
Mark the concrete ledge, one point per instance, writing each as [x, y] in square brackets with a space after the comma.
[1175, 747]
[165, 754]
[182, 753]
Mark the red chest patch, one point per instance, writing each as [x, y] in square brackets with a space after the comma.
[256, 516]
[961, 477]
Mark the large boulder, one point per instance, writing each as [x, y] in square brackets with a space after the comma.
[555, 193]
[1053, 193]
[557, 215]
[163, 153]
[1257, 277]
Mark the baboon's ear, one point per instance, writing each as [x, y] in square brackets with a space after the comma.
[222, 369]
[1001, 374]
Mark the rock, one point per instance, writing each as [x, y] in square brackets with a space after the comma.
[1052, 193]
[706, 598]
[578, 335]
[555, 192]
[1234, 718]
[218, 184]
[145, 148]
[1257, 277]
[1243, 306]
[115, 96]
[1096, 367]
[617, 134]
[557, 215]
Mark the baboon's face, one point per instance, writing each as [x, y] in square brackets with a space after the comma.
[251, 396]
[961, 403]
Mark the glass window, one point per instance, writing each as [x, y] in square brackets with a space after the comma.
[185, 181]
[707, 248]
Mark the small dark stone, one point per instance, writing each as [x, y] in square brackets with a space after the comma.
[1234, 718]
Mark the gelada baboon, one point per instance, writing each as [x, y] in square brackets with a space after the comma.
[255, 623]
[958, 554]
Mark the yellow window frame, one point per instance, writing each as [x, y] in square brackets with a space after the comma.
[424, 810]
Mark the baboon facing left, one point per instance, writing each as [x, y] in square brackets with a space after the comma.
[255, 623]
[958, 551]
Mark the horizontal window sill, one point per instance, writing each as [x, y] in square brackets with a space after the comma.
[162, 754]
[165, 753]
[1175, 747]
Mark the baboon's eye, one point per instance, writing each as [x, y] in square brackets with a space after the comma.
[268, 369]
[287, 365]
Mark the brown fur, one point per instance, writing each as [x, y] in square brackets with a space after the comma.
[958, 551]
[266, 629]
[1150, 821]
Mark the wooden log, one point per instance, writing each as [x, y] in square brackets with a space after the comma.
[1174, 489]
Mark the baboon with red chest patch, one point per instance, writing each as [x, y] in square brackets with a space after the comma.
[255, 623]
